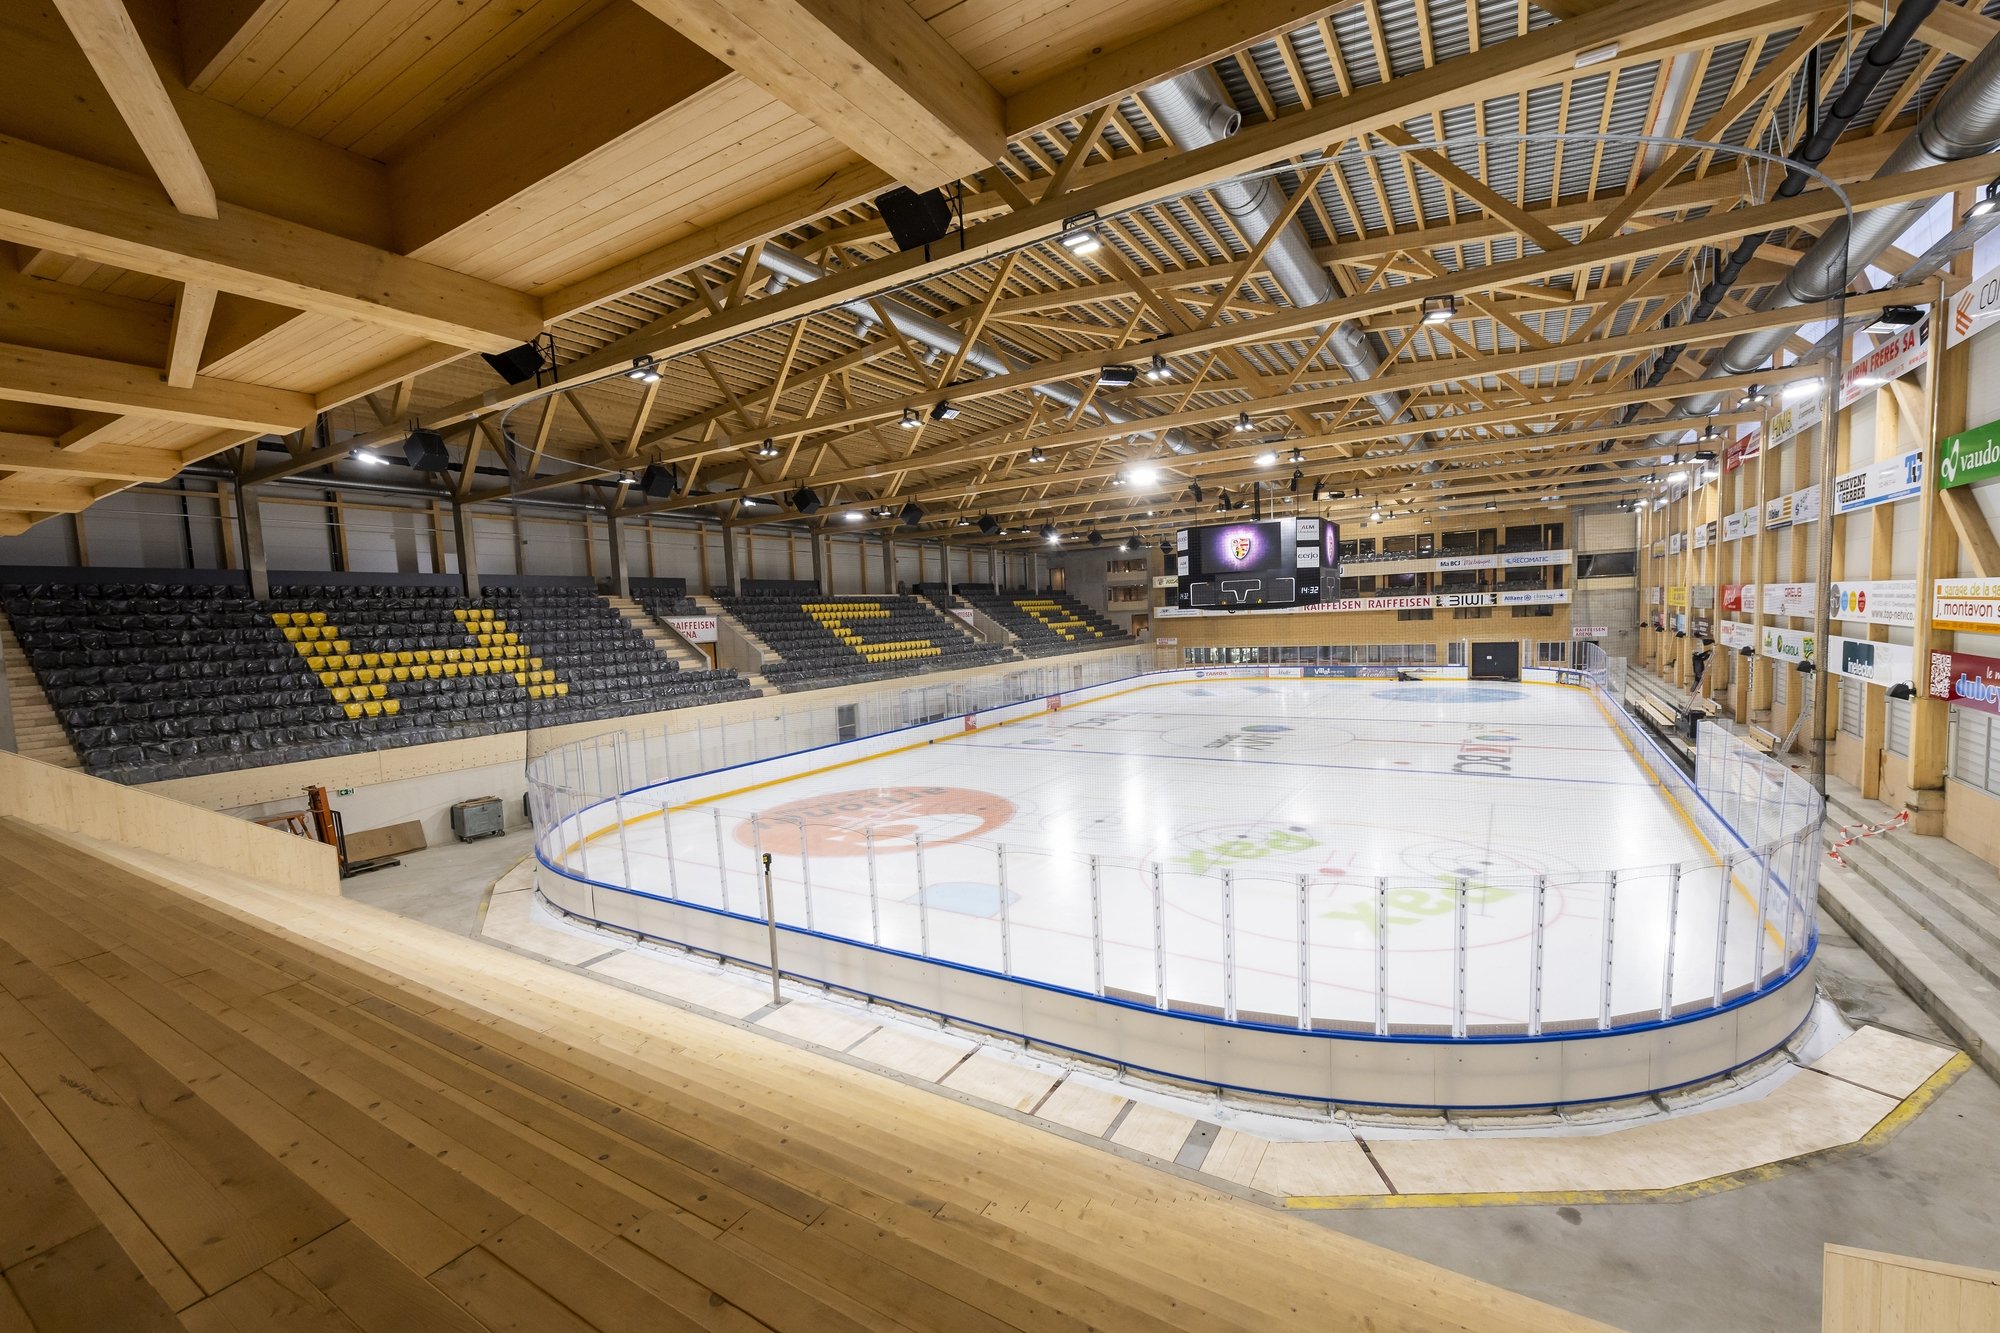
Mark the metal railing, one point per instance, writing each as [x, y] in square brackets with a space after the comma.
[911, 871]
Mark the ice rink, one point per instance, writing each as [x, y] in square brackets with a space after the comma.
[1231, 842]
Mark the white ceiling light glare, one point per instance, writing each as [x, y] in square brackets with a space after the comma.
[852, 516]
[1159, 370]
[363, 456]
[1440, 309]
[1800, 390]
[1142, 474]
[1266, 459]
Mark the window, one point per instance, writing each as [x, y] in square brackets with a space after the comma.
[1607, 564]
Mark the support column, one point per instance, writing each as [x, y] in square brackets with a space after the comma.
[250, 540]
[1947, 381]
[614, 531]
[888, 563]
[468, 551]
[819, 540]
[944, 553]
[729, 560]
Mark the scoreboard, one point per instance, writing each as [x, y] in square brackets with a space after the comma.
[1255, 564]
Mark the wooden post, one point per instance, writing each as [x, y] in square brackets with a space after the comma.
[1947, 380]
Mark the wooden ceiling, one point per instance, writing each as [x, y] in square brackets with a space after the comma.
[296, 222]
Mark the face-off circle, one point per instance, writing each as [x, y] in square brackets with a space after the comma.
[838, 823]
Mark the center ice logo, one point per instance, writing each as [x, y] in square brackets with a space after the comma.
[1239, 547]
[838, 823]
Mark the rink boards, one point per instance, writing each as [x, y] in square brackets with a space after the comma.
[1494, 1065]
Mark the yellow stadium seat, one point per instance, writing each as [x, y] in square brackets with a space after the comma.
[378, 691]
[405, 658]
[352, 710]
[347, 678]
[340, 694]
[434, 671]
[400, 673]
[329, 678]
[317, 617]
[562, 688]
[372, 709]
[392, 706]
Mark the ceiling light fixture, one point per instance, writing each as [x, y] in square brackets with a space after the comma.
[1116, 377]
[1266, 459]
[1142, 474]
[1050, 534]
[853, 516]
[643, 370]
[1440, 309]
[944, 410]
[1035, 455]
[1989, 202]
[767, 449]
[1244, 423]
[911, 419]
[1160, 370]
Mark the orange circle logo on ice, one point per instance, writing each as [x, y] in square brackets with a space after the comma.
[838, 824]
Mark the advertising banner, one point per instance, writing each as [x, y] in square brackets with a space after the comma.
[1588, 631]
[1675, 541]
[1701, 536]
[1968, 680]
[1874, 602]
[1968, 605]
[1677, 595]
[1880, 482]
[695, 629]
[1736, 634]
[1167, 581]
[1867, 660]
[1787, 599]
[1969, 456]
[1798, 415]
[1732, 596]
[1896, 356]
[1974, 308]
[1741, 450]
[1788, 645]
[1653, 596]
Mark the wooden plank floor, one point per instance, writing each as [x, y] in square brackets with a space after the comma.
[223, 1107]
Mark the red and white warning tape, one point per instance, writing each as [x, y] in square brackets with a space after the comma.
[1853, 833]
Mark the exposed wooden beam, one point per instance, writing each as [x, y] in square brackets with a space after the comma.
[871, 73]
[503, 143]
[1189, 43]
[64, 203]
[115, 50]
[23, 453]
[1513, 64]
[215, 33]
[192, 310]
[31, 375]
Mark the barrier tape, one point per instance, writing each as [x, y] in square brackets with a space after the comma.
[1853, 833]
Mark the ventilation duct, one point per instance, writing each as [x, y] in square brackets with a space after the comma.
[942, 339]
[1194, 111]
[1964, 122]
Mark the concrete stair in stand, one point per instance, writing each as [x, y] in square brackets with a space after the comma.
[1928, 911]
[710, 607]
[38, 733]
[670, 647]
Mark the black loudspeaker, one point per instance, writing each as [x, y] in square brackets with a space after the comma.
[660, 483]
[516, 366]
[425, 451]
[912, 514]
[915, 220]
[806, 500]
[989, 525]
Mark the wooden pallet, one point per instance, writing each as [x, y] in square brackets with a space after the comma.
[228, 1107]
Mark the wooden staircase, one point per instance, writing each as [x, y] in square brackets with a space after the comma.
[38, 733]
[229, 1107]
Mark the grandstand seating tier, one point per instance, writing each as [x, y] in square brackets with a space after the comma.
[161, 680]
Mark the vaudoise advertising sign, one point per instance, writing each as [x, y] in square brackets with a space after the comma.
[1969, 456]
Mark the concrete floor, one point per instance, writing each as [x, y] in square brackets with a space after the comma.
[1744, 1260]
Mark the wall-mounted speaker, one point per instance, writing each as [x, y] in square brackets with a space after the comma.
[915, 220]
[425, 451]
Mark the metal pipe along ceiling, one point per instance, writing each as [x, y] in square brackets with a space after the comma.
[1194, 111]
[920, 328]
[1964, 122]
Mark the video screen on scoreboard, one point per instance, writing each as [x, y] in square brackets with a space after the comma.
[1264, 563]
